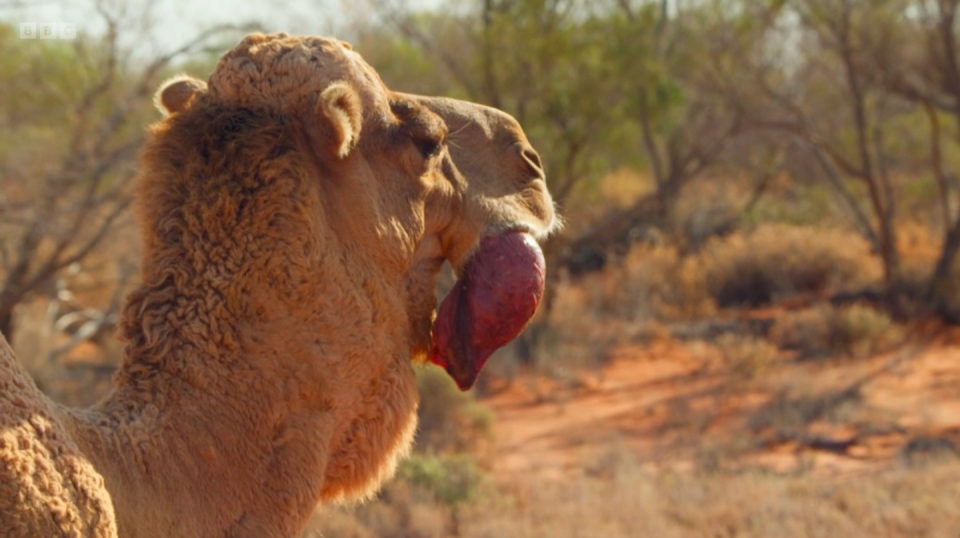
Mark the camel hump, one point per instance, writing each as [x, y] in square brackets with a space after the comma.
[47, 487]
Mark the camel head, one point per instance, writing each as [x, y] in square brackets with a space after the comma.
[403, 183]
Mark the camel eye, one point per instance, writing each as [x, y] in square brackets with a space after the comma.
[428, 148]
[422, 127]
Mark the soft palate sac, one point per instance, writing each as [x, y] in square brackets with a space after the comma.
[490, 304]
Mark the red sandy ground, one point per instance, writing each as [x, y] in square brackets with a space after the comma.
[669, 403]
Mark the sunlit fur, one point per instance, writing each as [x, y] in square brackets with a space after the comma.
[292, 237]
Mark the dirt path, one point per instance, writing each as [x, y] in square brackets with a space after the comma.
[672, 403]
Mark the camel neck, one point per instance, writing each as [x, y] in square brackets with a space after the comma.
[240, 411]
[197, 455]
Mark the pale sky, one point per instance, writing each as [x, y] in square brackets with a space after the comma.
[177, 21]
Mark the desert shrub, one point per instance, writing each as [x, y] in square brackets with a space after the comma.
[806, 331]
[709, 207]
[920, 248]
[860, 331]
[419, 502]
[625, 302]
[777, 260]
[788, 415]
[747, 357]
[925, 449]
[578, 334]
[891, 502]
[805, 204]
[659, 283]
[402, 510]
[448, 479]
[450, 420]
[336, 523]
[856, 330]
[442, 473]
[653, 282]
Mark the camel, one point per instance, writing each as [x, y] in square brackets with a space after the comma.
[295, 215]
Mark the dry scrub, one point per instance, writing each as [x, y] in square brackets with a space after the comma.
[746, 357]
[771, 263]
[893, 503]
[824, 331]
[445, 471]
[656, 286]
[777, 261]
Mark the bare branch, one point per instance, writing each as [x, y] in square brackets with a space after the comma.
[846, 196]
[405, 25]
[936, 161]
[649, 142]
[81, 194]
[192, 46]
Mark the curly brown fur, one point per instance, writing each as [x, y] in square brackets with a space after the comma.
[293, 228]
[47, 487]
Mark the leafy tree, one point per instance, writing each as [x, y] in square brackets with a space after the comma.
[73, 119]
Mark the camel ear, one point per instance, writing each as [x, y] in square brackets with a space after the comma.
[340, 107]
[174, 94]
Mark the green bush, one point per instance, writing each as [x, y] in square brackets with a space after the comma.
[449, 479]
[450, 420]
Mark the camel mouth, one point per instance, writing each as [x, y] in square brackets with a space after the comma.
[495, 297]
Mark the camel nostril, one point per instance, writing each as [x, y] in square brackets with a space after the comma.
[532, 158]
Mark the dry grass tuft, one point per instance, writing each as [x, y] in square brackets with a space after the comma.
[926, 449]
[789, 415]
[450, 420]
[625, 302]
[777, 260]
[747, 357]
[579, 333]
[894, 503]
[401, 511]
[856, 331]
[443, 473]
[658, 284]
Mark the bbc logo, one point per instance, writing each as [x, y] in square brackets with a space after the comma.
[48, 30]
